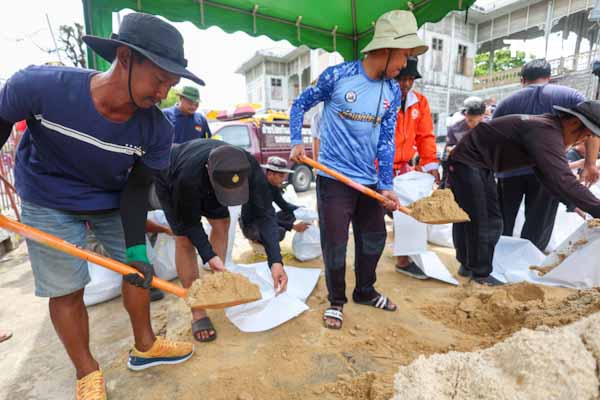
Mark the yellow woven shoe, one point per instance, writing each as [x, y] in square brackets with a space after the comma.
[163, 351]
[91, 387]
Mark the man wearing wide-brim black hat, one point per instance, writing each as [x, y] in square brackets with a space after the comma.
[505, 144]
[86, 159]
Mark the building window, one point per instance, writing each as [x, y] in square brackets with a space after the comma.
[462, 62]
[437, 55]
[276, 91]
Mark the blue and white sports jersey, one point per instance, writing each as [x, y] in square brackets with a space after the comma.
[350, 141]
[71, 158]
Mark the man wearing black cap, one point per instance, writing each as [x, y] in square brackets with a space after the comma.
[206, 176]
[86, 158]
[276, 171]
[504, 144]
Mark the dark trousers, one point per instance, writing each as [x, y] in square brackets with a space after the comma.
[339, 205]
[285, 219]
[475, 241]
[540, 208]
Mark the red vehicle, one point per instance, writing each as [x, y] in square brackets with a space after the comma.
[266, 137]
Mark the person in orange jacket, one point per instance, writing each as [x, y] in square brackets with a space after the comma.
[414, 134]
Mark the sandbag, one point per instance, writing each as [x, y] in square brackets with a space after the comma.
[410, 235]
[565, 224]
[104, 285]
[307, 245]
[162, 257]
[413, 186]
[440, 235]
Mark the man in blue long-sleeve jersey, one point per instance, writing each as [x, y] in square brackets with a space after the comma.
[361, 101]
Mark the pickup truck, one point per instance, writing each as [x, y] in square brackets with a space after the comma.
[263, 139]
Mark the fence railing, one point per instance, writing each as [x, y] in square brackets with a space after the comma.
[9, 200]
[560, 66]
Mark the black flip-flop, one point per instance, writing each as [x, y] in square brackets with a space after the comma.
[381, 302]
[204, 324]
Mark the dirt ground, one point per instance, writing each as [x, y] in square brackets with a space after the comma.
[298, 360]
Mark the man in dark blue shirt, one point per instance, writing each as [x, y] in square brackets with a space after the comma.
[189, 124]
[537, 96]
[86, 158]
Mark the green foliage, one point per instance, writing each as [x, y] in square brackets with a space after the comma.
[502, 61]
[170, 100]
[72, 44]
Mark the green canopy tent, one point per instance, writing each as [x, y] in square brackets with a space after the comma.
[345, 26]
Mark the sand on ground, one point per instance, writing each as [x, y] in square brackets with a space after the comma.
[298, 360]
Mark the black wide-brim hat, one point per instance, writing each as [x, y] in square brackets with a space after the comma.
[410, 69]
[588, 112]
[150, 36]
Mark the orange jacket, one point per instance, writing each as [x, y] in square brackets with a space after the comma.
[414, 132]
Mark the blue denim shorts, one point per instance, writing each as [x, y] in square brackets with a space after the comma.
[58, 274]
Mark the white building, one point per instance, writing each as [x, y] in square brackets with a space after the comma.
[275, 77]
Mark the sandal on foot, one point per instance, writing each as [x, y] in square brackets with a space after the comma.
[381, 302]
[204, 324]
[335, 314]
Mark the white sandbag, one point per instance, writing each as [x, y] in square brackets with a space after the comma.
[433, 267]
[512, 259]
[440, 235]
[305, 214]
[566, 223]
[581, 267]
[307, 245]
[163, 257]
[413, 186]
[410, 235]
[104, 285]
[234, 216]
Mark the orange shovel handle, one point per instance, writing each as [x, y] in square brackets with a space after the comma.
[58, 244]
[355, 185]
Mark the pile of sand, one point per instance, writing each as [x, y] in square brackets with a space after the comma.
[557, 363]
[439, 208]
[221, 289]
[499, 312]
[594, 223]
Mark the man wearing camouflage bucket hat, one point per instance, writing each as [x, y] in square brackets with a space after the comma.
[86, 159]
[361, 101]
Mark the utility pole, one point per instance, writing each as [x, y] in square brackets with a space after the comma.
[53, 38]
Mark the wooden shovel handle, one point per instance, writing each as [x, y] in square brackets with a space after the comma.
[355, 185]
[58, 244]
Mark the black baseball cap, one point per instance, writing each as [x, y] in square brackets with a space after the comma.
[228, 170]
[588, 112]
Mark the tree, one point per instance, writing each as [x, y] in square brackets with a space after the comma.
[72, 44]
[503, 61]
[171, 99]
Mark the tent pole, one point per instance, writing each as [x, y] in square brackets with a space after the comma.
[354, 31]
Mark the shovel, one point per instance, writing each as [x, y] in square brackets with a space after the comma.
[369, 192]
[58, 244]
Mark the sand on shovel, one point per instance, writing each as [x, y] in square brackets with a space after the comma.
[439, 208]
[220, 290]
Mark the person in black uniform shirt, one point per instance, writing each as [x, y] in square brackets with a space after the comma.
[276, 171]
[206, 176]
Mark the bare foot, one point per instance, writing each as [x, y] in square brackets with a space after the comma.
[204, 334]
